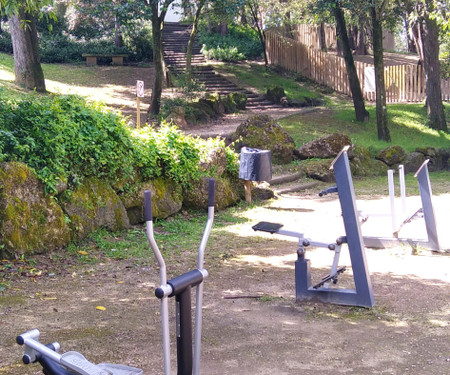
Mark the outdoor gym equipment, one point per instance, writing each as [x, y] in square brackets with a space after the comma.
[74, 363]
[432, 241]
[362, 295]
[188, 363]
[69, 363]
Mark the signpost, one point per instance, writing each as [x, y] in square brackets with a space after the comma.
[139, 95]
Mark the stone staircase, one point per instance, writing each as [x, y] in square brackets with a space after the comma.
[175, 39]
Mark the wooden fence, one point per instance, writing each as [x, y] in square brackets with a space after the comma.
[404, 83]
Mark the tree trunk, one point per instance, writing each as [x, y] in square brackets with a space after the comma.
[355, 87]
[432, 69]
[27, 64]
[322, 38]
[158, 59]
[155, 103]
[118, 40]
[191, 43]
[381, 110]
[262, 37]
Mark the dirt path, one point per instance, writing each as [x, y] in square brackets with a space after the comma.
[407, 332]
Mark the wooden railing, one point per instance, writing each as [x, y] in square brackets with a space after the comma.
[404, 83]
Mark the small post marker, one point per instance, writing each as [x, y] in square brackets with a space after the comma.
[248, 191]
[139, 95]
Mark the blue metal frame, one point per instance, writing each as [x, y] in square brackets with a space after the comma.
[362, 295]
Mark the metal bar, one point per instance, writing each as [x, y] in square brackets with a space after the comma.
[199, 293]
[347, 200]
[423, 180]
[184, 332]
[401, 177]
[392, 198]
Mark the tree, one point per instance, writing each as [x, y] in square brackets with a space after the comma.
[376, 14]
[191, 41]
[22, 21]
[158, 9]
[426, 36]
[257, 24]
[355, 87]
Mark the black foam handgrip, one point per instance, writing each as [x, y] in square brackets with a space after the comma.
[148, 205]
[211, 192]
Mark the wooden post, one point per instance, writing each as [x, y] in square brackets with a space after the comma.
[248, 191]
[138, 114]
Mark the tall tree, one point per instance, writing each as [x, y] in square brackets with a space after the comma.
[426, 35]
[376, 14]
[191, 41]
[355, 87]
[159, 10]
[22, 21]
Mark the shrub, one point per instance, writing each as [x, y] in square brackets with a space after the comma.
[5, 42]
[64, 138]
[240, 43]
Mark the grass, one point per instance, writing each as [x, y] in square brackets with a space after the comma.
[407, 125]
[261, 78]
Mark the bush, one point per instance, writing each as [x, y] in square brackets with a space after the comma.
[66, 139]
[240, 43]
[63, 138]
[5, 42]
[60, 48]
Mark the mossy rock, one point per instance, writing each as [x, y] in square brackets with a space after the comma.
[93, 205]
[177, 116]
[227, 194]
[215, 102]
[325, 147]
[275, 94]
[239, 99]
[229, 104]
[319, 170]
[392, 155]
[167, 200]
[362, 164]
[262, 132]
[30, 222]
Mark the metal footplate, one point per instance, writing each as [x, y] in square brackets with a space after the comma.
[264, 226]
[80, 365]
[333, 278]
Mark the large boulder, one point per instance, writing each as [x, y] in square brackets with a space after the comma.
[323, 148]
[262, 131]
[392, 155]
[438, 157]
[166, 200]
[30, 222]
[227, 193]
[362, 164]
[93, 205]
[275, 94]
[413, 161]
[319, 170]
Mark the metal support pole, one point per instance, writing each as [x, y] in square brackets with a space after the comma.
[392, 198]
[184, 332]
[423, 180]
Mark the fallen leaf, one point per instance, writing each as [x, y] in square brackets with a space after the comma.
[101, 308]
[82, 252]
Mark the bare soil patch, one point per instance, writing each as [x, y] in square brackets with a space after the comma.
[407, 332]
